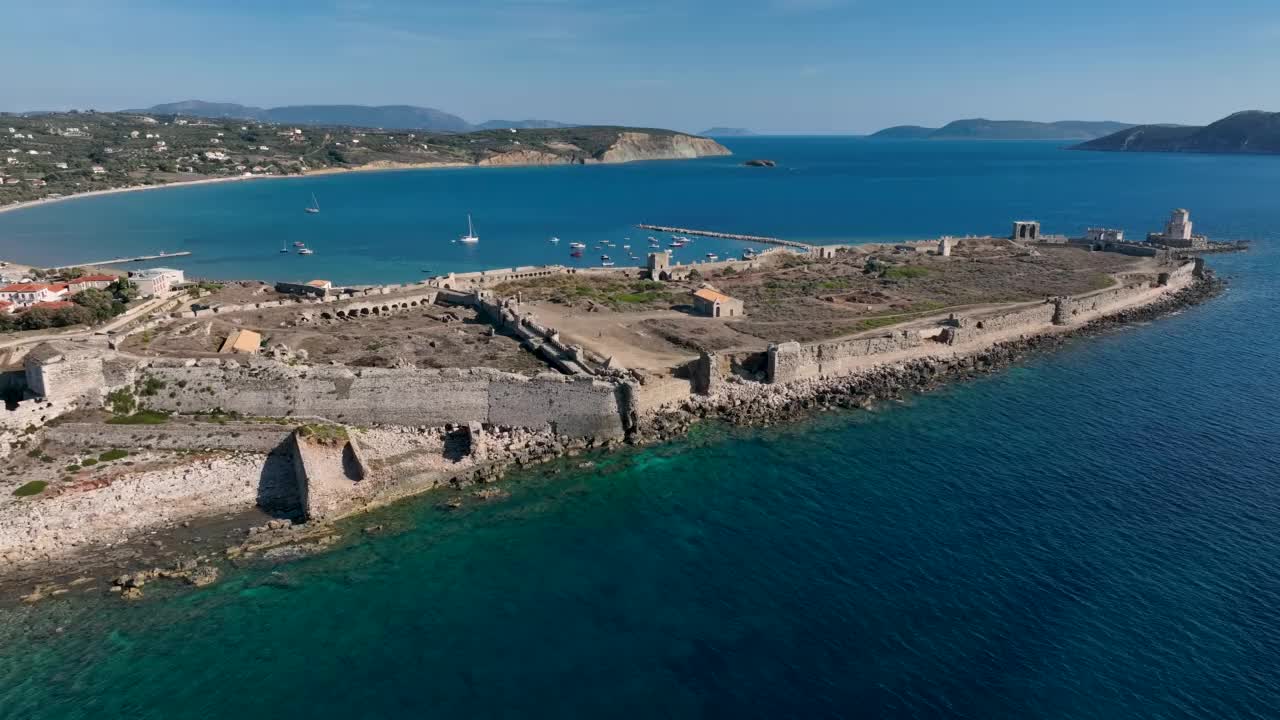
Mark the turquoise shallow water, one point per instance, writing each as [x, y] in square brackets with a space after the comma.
[1091, 534]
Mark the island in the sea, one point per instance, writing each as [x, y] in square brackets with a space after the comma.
[1249, 131]
[53, 155]
[291, 405]
[983, 129]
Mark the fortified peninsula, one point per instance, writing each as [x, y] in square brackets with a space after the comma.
[289, 406]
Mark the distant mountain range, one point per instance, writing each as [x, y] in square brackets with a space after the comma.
[983, 129]
[395, 117]
[726, 132]
[1250, 131]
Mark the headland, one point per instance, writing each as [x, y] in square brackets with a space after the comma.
[269, 412]
[57, 156]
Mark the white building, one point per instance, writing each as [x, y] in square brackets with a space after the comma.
[155, 281]
[1105, 235]
[24, 294]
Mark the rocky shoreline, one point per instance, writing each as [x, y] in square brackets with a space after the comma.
[246, 540]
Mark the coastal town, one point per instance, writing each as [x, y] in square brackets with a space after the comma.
[282, 408]
[49, 156]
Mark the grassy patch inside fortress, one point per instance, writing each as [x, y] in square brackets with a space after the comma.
[142, 417]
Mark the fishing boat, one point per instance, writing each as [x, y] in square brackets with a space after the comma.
[306, 251]
[470, 238]
[314, 207]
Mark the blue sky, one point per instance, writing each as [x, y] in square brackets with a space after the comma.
[771, 65]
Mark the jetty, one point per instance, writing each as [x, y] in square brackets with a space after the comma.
[726, 236]
[121, 261]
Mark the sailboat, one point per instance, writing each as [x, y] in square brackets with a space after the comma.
[470, 238]
[283, 249]
[315, 205]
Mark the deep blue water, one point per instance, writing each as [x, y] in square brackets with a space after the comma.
[1091, 534]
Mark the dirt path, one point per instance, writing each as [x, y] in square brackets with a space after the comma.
[617, 335]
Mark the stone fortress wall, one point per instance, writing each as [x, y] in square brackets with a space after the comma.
[580, 407]
[792, 361]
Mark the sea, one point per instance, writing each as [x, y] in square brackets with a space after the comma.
[1092, 533]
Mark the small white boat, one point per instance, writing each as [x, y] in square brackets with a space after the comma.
[470, 238]
[299, 243]
[606, 263]
[306, 251]
[712, 256]
[626, 247]
[578, 246]
[555, 240]
[604, 257]
[314, 207]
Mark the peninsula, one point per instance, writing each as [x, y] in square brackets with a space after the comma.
[289, 406]
[50, 156]
[1250, 131]
[983, 129]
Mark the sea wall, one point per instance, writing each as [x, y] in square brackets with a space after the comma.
[793, 361]
[581, 407]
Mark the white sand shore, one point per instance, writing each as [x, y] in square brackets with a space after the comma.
[372, 167]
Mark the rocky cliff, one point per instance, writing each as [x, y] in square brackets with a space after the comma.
[601, 145]
[632, 146]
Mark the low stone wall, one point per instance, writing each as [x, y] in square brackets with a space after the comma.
[403, 396]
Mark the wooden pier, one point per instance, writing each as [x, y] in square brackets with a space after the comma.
[727, 236]
[121, 261]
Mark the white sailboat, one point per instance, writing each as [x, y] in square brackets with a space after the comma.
[315, 205]
[283, 249]
[470, 237]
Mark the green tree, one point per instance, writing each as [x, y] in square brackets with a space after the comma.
[123, 290]
[98, 302]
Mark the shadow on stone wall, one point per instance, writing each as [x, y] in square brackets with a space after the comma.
[278, 494]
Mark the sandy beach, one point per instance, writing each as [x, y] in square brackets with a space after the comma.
[371, 167]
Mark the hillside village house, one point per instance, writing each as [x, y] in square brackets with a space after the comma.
[25, 294]
[155, 281]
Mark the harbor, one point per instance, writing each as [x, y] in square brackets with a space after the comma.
[725, 235]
